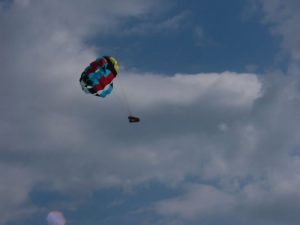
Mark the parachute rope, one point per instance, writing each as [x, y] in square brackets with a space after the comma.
[124, 97]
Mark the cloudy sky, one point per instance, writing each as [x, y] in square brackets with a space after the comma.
[215, 83]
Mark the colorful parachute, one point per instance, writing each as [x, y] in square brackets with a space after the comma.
[56, 218]
[97, 78]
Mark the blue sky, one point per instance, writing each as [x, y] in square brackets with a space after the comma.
[215, 83]
[212, 36]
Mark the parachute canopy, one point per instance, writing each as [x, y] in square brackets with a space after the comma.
[56, 218]
[97, 78]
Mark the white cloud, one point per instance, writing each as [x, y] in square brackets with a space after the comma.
[41, 55]
[202, 39]
[234, 129]
[158, 27]
[199, 201]
[283, 18]
[15, 186]
[228, 89]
